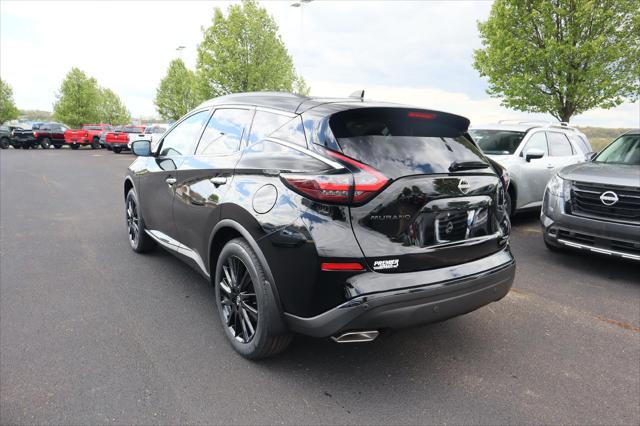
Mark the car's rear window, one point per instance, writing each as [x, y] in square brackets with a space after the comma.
[132, 129]
[497, 142]
[91, 128]
[402, 142]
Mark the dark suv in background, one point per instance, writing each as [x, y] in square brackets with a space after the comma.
[595, 206]
[326, 217]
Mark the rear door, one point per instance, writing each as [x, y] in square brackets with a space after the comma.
[205, 178]
[157, 182]
[57, 133]
[440, 207]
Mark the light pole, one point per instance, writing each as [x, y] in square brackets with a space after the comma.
[180, 49]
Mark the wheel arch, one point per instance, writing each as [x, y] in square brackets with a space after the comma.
[228, 229]
[513, 193]
[128, 186]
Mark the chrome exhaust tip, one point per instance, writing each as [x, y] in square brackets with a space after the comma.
[356, 336]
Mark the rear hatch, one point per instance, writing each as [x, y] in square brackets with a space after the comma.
[442, 203]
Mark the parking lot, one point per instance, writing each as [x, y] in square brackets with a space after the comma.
[93, 333]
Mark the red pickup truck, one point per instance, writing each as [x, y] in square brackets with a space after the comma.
[117, 140]
[88, 135]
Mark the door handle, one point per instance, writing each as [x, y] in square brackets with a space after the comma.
[218, 180]
[550, 166]
[170, 181]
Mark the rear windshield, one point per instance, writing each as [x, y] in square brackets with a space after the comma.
[91, 128]
[402, 142]
[624, 150]
[497, 142]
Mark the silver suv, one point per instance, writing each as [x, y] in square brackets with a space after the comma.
[531, 152]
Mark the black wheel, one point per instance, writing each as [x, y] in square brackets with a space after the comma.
[95, 143]
[4, 143]
[45, 143]
[246, 303]
[117, 149]
[138, 239]
[25, 146]
[75, 146]
[57, 146]
[108, 147]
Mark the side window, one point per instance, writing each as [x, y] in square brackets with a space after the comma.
[183, 138]
[265, 123]
[582, 144]
[537, 141]
[292, 131]
[224, 131]
[559, 145]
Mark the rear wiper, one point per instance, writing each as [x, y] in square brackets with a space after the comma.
[467, 165]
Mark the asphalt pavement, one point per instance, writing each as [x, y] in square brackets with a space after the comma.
[92, 333]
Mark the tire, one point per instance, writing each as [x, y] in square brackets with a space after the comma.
[108, 147]
[75, 146]
[57, 146]
[139, 240]
[117, 149]
[4, 143]
[45, 143]
[509, 205]
[25, 146]
[95, 143]
[246, 304]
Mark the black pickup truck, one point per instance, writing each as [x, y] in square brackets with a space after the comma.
[6, 136]
[44, 135]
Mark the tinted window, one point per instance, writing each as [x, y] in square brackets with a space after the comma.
[537, 141]
[497, 142]
[624, 150]
[183, 138]
[291, 131]
[265, 123]
[224, 131]
[401, 142]
[559, 145]
[91, 128]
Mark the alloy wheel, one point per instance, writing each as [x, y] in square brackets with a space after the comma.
[238, 300]
[133, 222]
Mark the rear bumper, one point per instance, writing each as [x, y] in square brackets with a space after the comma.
[421, 301]
[592, 235]
[78, 141]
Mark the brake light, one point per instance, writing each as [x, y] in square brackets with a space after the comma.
[423, 115]
[350, 266]
[86, 133]
[357, 186]
[35, 134]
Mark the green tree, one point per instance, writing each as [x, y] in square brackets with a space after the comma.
[243, 52]
[8, 109]
[561, 57]
[176, 94]
[111, 109]
[78, 99]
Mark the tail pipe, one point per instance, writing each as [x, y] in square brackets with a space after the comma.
[356, 336]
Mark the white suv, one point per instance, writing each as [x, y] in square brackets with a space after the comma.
[531, 152]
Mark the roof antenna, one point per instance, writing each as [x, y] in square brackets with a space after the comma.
[358, 94]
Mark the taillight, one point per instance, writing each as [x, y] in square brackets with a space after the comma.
[356, 186]
[35, 134]
[423, 115]
[86, 134]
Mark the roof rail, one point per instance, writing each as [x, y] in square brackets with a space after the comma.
[553, 124]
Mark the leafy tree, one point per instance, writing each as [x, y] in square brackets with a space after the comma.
[8, 109]
[561, 57]
[78, 99]
[111, 109]
[243, 52]
[176, 94]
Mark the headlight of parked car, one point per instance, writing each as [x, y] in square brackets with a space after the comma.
[559, 187]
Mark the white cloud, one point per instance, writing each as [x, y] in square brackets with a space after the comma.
[409, 52]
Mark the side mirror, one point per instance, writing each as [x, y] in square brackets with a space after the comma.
[533, 154]
[141, 148]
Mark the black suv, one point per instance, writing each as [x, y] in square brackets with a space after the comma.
[325, 217]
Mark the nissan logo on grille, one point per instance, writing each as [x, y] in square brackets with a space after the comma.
[463, 186]
[609, 198]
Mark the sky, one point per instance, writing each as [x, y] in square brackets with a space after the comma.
[412, 52]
